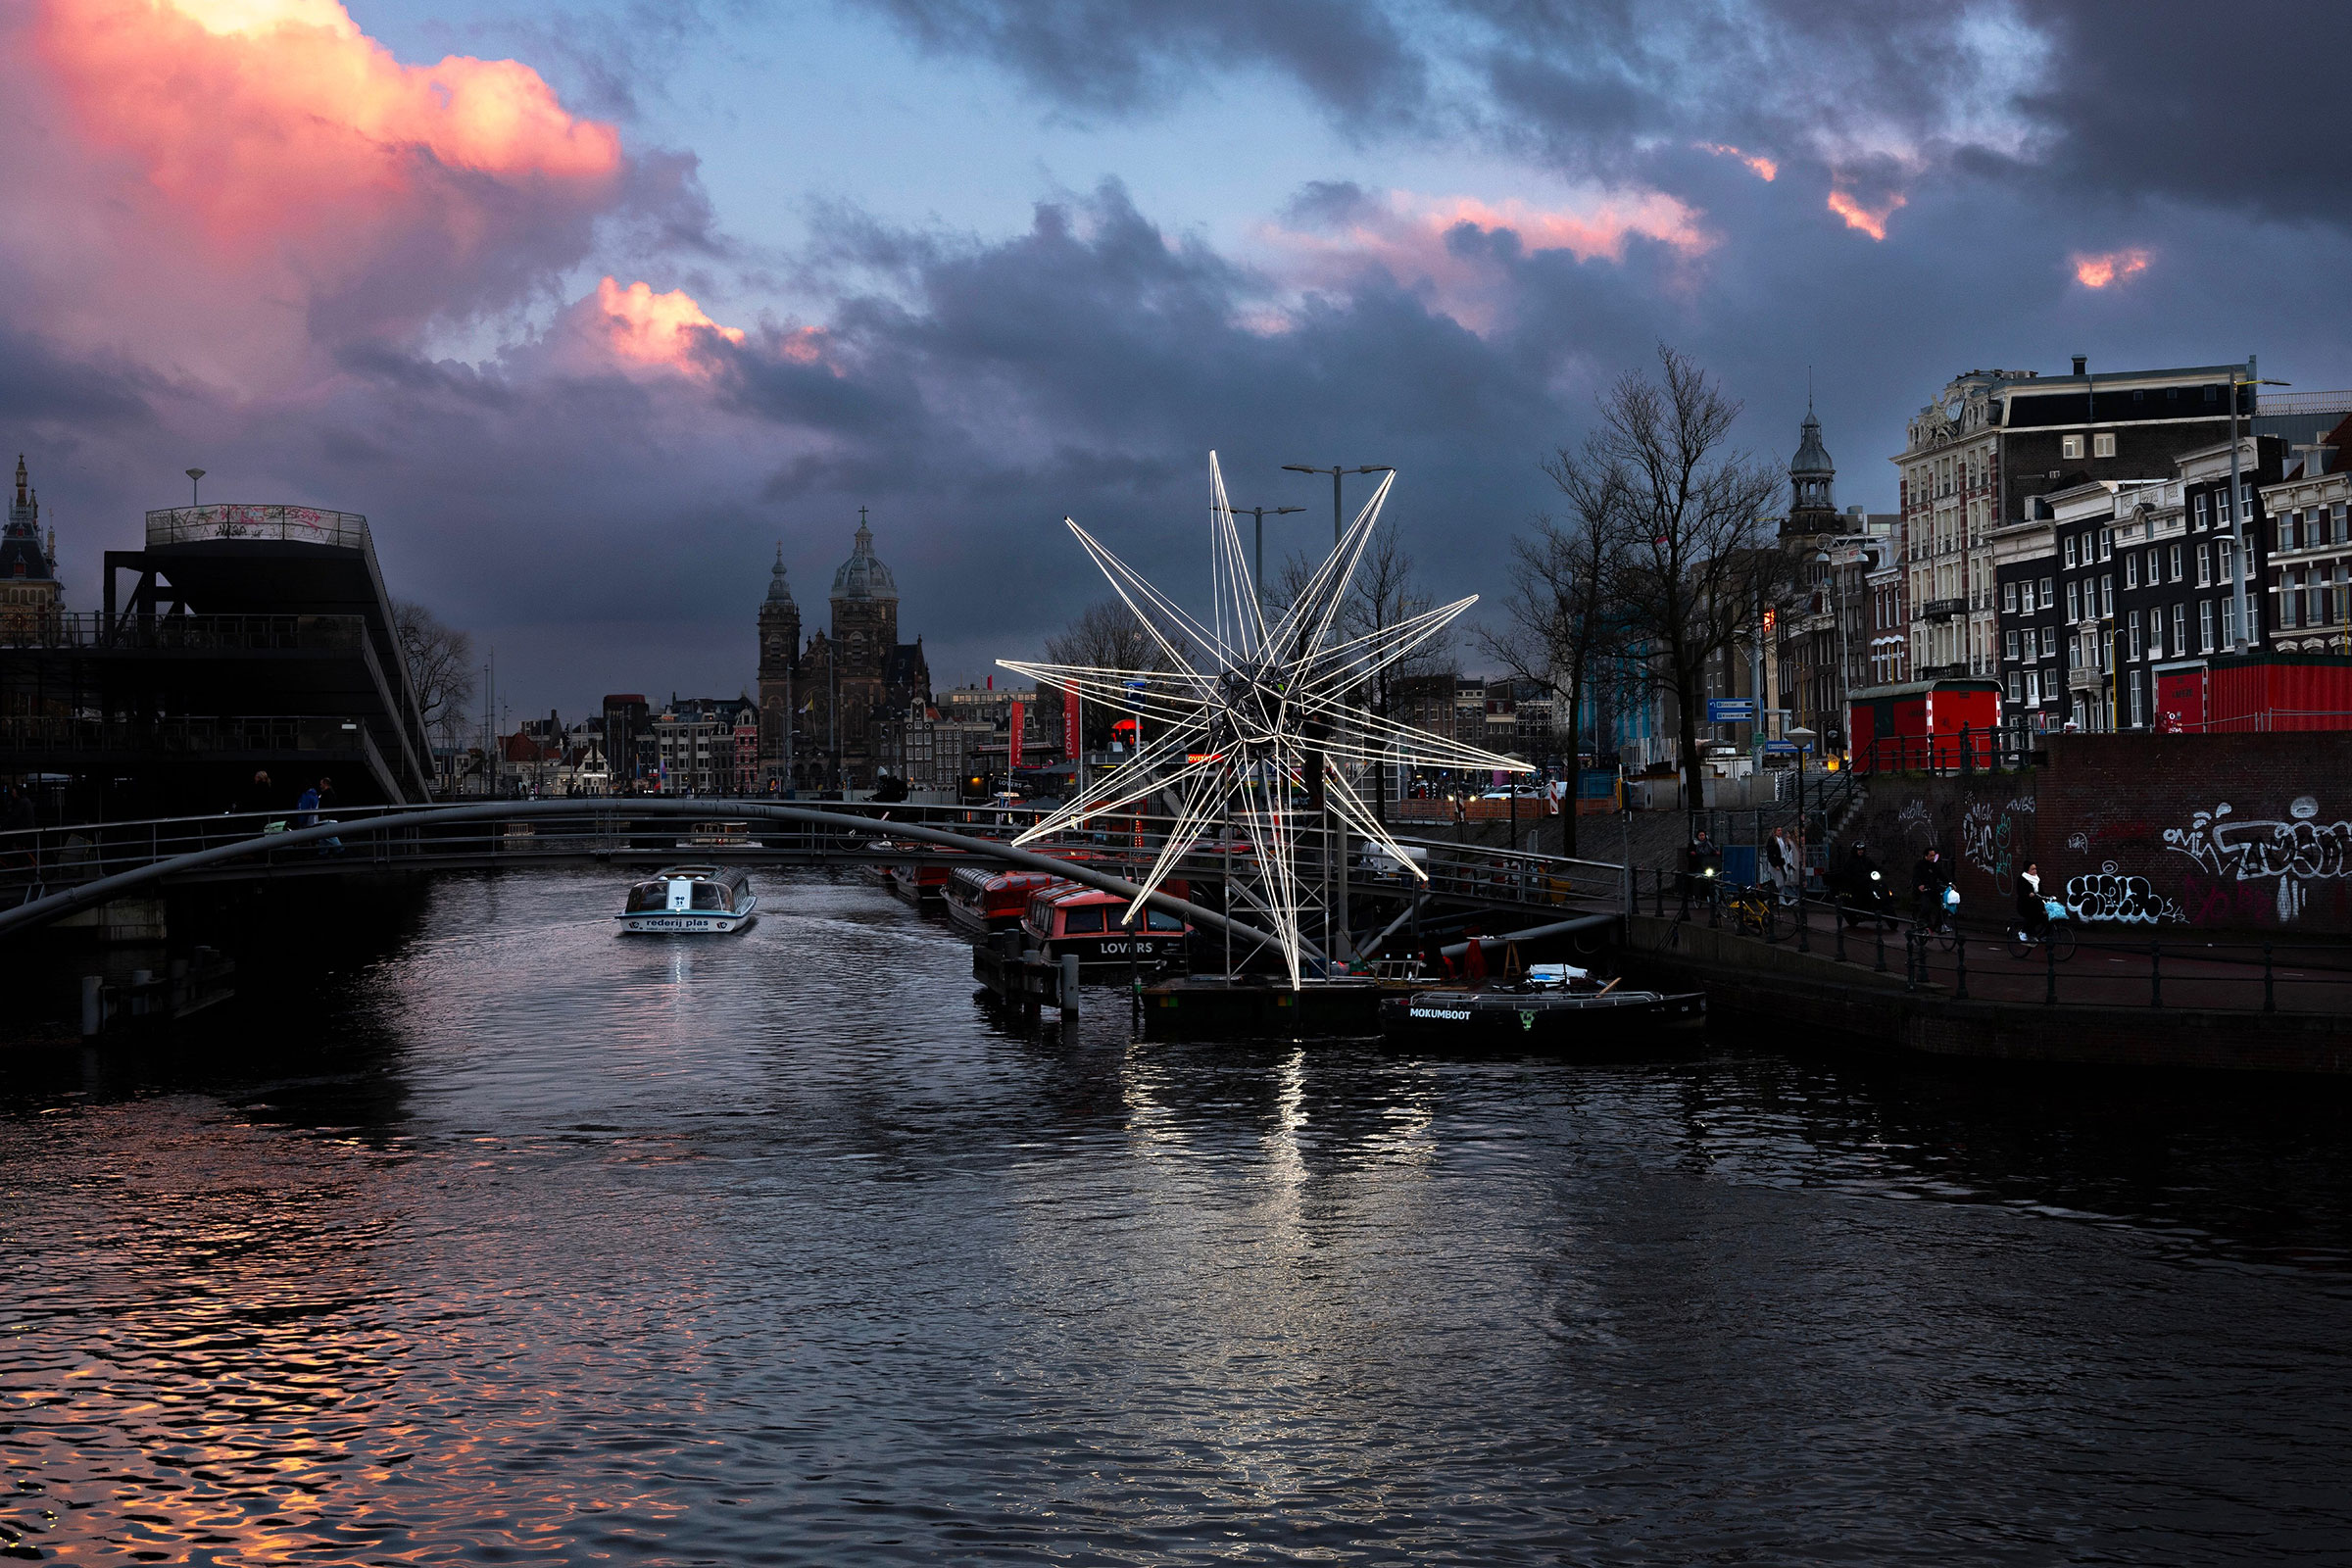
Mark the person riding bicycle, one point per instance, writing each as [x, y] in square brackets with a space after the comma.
[1702, 864]
[1928, 879]
[2033, 914]
[1863, 883]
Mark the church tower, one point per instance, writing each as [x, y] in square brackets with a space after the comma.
[29, 592]
[1812, 485]
[779, 661]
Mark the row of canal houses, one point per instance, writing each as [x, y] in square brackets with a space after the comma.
[2095, 545]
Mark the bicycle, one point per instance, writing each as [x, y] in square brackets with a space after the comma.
[1939, 921]
[2057, 932]
[1751, 911]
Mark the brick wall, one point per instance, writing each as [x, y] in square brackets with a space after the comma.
[2140, 831]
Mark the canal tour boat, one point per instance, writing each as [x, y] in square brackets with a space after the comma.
[982, 901]
[691, 897]
[1557, 1009]
[1086, 921]
[919, 884]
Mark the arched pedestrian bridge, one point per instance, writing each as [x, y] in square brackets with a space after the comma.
[51, 872]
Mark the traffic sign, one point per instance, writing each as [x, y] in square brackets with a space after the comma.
[1780, 746]
[1731, 710]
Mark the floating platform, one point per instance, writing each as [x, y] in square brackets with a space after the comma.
[1213, 1007]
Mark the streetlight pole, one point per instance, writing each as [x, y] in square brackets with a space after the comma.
[194, 474]
[1260, 513]
[1335, 893]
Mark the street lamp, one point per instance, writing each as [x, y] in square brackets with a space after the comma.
[1260, 513]
[1804, 739]
[194, 474]
[1335, 893]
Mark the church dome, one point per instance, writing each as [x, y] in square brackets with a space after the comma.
[1811, 455]
[861, 577]
[779, 592]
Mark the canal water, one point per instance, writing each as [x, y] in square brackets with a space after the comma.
[510, 1240]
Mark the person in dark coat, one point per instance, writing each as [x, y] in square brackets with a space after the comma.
[1928, 879]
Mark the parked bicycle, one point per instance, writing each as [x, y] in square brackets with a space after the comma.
[1751, 911]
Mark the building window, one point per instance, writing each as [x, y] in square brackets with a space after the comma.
[2050, 592]
[2204, 568]
[2205, 626]
[2016, 685]
[2070, 446]
[2050, 683]
[2176, 564]
[2138, 713]
[2070, 551]
[2107, 594]
[2032, 689]
[2131, 627]
[2102, 444]
[2009, 646]
[2287, 530]
[2106, 544]
[2230, 621]
[2199, 508]
[2131, 572]
[2074, 604]
[2009, 599]
[2180, 630]
[2289, 592]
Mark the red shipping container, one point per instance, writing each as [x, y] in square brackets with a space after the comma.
[1924, 725]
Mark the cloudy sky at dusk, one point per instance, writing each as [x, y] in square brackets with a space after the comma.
[587, 307]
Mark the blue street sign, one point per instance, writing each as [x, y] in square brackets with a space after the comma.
[1780, 746]
[1731, 710]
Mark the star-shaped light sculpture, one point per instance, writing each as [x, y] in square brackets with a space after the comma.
[1240, 712]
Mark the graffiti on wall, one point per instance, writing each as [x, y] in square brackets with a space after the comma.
[2110, 898]
[1989, 836]
[2297, 850]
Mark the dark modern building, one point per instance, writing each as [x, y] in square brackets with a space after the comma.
[253, 639]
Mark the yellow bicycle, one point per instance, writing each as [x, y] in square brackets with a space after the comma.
[1751, 911]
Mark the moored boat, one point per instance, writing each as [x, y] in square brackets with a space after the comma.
[918, 883]
[708, 898]
[981, 899]
[1555, 1009]
[1086, 921]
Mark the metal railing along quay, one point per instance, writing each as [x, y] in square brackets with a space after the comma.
[1975, 960]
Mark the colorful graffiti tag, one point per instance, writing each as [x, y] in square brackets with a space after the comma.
[2297, 850]
[1989, 837]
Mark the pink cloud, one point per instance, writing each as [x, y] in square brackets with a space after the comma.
[2113, 266]
[1764, 169]
[264, 117]
[1866, 214]
[227, 189]
[1415, 238]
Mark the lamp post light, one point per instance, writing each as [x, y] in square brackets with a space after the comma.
[194, 474]
[1260, 513]
[1803, 738]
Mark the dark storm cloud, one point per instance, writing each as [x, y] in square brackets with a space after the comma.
[1126, 55]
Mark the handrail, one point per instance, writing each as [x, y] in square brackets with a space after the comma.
[56, 905]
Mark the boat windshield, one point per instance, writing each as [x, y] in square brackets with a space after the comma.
[1084, 919]
[710, 896]
[1163, 921]
[648, 896]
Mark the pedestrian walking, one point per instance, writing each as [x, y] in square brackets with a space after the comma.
[1781, 859]
[1928, 879]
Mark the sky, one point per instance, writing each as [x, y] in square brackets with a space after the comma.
[592, 308]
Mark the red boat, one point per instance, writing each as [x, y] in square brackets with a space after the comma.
[1086, 921]
[918, 884]
[981, 899]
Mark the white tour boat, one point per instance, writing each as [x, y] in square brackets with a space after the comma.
[691, 897]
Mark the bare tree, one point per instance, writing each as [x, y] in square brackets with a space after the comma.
[1693, 561]
[440, 662]
[1109, 636]
[1559, 623]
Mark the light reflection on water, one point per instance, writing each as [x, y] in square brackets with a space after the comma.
[525, 1243]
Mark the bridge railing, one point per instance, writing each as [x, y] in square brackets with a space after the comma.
[36, 860]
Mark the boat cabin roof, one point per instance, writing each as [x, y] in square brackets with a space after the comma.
[730, 875]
